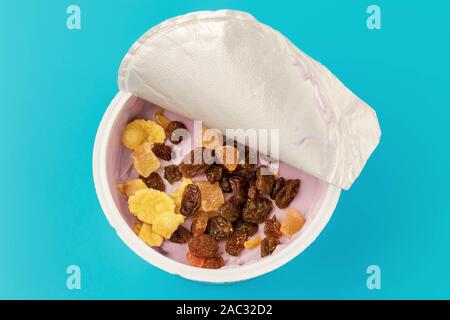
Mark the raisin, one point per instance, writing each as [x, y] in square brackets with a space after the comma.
[235, 244]
[220, 228]
[264, 180]
[224, 184]
[252, 190]
[239, 189]
[154, 181]
[191, 200]
[256, 210]
[203, 246]
[287, 193]
[199, 223]
[272, 228]
[174, 131]
[162, 151]
[196, 162]
[246, 173]
[250, 228]
[268, 246]
[214, 173]
[181, 235]
[172, 174]
[213, 263]
[277, 186]
[230, 210]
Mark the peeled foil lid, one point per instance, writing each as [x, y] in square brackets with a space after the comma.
[230, 71]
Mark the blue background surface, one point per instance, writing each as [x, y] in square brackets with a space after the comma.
[55, 84]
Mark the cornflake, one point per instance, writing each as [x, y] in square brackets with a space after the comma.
[147, 235]
[129, 188]
[292, 223]
[211, 196]
[253, 243]
[154, 132]
[137, 227]
[178, 194]
[133, 137]
[148, 204]
[166, 224]
[144, 160]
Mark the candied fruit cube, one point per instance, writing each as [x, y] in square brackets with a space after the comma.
[148, 204]
[211, 196]
[228, 156]
[178, 194]
[161, 119]
[195, 261]
[292, 223]
[210, 138]
[253, 243]
[166, 224]
[144, 160]
[147, 235]
[129, 188]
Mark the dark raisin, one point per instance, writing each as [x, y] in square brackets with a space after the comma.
[224, 184]
[199, 223]
[172, 174]
[287, 193]
[277, 186]
[191, 200]
[264, 180]
[235, 244]
[175, 131]
[268, 246]
[272, 228]
[154, 181]
[181, 235]
[250, 228]
[256, 210]
[203, 246]
[245, 173]
[213, 263]
[214, 173]
[162, 151]
[239, 189]
[252, 190]
[230, 210]
[196, 162]
[219, 228]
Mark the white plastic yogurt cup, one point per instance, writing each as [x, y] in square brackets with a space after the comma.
[105, 158]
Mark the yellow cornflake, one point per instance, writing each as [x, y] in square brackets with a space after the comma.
[133, 136]
[167, 223]
[129, 188]
[155, 133]
[292, 223]
[148, 204]
[144, 160]
[178, 194]
[253, 243]
[147, 235]
[137, 227]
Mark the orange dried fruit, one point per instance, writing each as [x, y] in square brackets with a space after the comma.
[195, 261]
[253, 243]
[292, 223]
[228, 156]
[211, 196]
[129, 188]
[161, 119]
[210, 138]
[144, 160]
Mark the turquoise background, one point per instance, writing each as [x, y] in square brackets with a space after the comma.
[56, 83]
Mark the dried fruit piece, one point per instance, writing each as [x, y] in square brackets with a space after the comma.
[292, 223]
[253, 243]
[264, 180]
[199, 223]
[211, 196]
[228, 156]
[245, 173]
[162, 151]
[178, 194]
[220, 228]
[210, 138]
[172, 174]
[148, 204]
[196, 162]
[230, 210]
[214, 173]
[154, 181]
[235, 244]
[213, 263]
[203, 246]
[137, 227]
[154, 132]
[161, 119]
[272, 228]
[250, 228]
[268, 246]
[256, 210]
[287, 193]
[166, 224]
[191, 200]
[224, 183]
[195, 261]
[181, 235]
[149, 237]
[129, 188]
[175, 131]
[133, 137]
[239, 189]
[252, 191]
[277, 186]
[144, 160]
